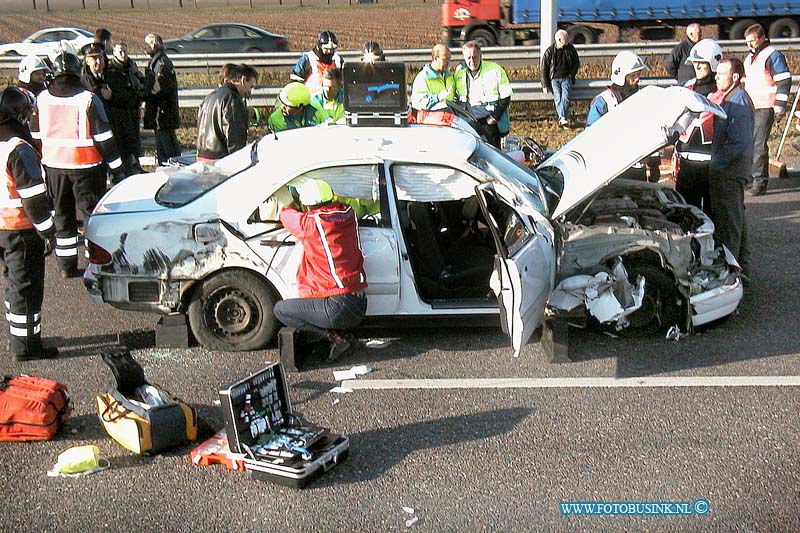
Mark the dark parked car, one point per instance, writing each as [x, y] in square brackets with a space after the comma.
[227, 38]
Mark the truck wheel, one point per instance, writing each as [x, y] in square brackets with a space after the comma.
[661, 306]
[736, 33]
[784, 28]
[581, 35]
[232, 311]
[484, 38]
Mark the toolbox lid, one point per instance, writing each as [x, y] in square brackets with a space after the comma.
[255, 404]
[378, 87]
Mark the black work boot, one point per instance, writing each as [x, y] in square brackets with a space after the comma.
[339, 345]
[33, 355]
[759, 186]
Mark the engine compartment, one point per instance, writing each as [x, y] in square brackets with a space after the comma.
[651, 208]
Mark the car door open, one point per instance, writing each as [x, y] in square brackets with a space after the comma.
[523, 265]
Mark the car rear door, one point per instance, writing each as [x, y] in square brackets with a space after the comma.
[524, 263]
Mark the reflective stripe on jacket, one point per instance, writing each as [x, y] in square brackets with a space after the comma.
[65, 132]
[12, 214]
[694, 144]
[332, 262]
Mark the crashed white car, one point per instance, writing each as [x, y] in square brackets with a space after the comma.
[44, 42]
[449, 227]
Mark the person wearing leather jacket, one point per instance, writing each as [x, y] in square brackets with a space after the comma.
[222, 117]
[161, 112]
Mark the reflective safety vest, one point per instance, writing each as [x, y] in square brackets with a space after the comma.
[759, 84]
[486, 89]
[427, 86]
[318, 68]
[67, 139]
[610, 98]
[694, 144]
[333, 109]
[12, 214]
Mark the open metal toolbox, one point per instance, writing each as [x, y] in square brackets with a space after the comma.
[278, 445]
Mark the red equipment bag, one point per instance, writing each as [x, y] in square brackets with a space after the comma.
[32, 408]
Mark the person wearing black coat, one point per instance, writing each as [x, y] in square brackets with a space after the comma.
[675, 63]
[127, 90]
[161, 111]
[560, 64]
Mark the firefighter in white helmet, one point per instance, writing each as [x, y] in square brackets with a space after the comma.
[693, 148]
[626, 69]
[77, 146]
[33, 73]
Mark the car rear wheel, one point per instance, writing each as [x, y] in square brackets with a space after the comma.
[232, 311]
[661, 305]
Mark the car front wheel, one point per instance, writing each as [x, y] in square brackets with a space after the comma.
[661, 305]
[232, 311]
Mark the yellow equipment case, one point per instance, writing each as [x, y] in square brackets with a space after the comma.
[142, 417]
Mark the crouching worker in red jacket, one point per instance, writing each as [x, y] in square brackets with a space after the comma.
[330, 278]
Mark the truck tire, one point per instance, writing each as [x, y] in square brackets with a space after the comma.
[784, 28]
[736, 32]
[484, 38]
[232, 311]
[581, 35]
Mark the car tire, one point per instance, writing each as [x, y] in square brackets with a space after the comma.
[232, 311]
[661, 306]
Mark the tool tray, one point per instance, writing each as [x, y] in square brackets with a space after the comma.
[277, 444]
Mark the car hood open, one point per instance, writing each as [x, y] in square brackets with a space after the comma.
[639, 126]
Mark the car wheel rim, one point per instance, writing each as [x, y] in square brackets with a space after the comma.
[232, 313]
[649, 312]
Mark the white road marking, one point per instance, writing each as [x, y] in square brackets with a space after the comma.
[568, 383]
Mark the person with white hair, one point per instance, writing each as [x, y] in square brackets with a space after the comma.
[560, 63]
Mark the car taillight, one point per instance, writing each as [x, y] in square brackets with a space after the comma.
[97, 255]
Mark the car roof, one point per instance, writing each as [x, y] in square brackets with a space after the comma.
[290, 152]
[60, 28]
[234, 24]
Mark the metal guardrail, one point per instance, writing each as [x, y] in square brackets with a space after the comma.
[524, 91]
[420, 56]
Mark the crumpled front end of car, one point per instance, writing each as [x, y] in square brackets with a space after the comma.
[647, 223]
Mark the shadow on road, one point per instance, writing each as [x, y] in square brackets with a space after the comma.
[394, 444]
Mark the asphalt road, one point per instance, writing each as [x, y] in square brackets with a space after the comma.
[472, 459]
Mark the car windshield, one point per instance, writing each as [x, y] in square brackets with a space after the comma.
[499, 166]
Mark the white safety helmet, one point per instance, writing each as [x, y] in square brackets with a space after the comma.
[625, 63]
[29, 65]
[706, 51]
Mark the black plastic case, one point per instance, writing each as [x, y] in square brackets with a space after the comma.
[258, 405]
[375, 94]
